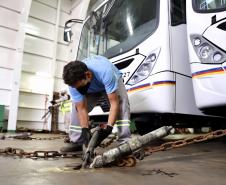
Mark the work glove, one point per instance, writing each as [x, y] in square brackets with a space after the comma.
[86, 136]
[104, 132]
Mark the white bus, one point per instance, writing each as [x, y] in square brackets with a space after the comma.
[147, 42]
[206, 21]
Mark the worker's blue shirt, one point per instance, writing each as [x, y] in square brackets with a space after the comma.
[105, 77]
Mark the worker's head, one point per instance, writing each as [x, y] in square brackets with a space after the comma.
[77, 75]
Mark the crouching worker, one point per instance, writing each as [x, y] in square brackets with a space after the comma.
[89, 80]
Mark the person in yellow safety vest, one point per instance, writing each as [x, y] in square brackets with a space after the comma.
[65, 108]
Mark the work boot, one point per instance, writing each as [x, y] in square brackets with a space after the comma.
[72, 148]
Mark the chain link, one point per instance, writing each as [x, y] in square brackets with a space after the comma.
[185, 142]
[108, 141]
[27, 136]
[128, 161]
[47, 138]
[18, 152]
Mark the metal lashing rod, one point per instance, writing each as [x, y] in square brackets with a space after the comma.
[129, 147]
[89, 153]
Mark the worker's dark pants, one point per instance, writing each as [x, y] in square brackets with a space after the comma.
[122, 123]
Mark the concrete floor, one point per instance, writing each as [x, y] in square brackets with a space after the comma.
[197, 164]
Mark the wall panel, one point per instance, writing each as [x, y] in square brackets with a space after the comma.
[37, 64]
[12, 4]
[6, 78]
[62, 52]
[7, 58]
[32, 100]
[59, 68]
[28, 114]
[38, 76]
[52, 3]
[9, 38]
[66, 6]
[63, 18]
[59, 85]
[35, 83]
[39, 28]
[38, 46]
[6, 17]
[43, 12]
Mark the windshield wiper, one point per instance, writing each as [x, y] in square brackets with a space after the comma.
[97, 22]
[94, 19]
[109, 8]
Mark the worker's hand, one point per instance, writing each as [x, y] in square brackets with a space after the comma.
[104, 132]
[86, 136]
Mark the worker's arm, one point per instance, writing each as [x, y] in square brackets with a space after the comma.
[114, 109]
[107, 129]
[83, 113]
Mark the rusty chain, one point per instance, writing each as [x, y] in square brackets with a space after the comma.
[47, 138]
[184, 142]
[27, 136]
[169, 146]
[18, 152]
[128, 161]
[108, 141]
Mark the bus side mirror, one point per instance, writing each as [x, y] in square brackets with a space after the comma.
[67, 29]
[67, 34]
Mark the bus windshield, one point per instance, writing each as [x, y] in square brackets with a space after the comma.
[209, 5]
[117, 27]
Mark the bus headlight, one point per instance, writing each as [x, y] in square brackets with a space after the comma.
[197, 42]
[207, 52]
[217, 57]
[135, 79]
[144, 70]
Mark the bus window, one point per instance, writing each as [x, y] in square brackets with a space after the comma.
[128, 23]
[178, 12]
[93, 4]
[120, 26]
[207, 6]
